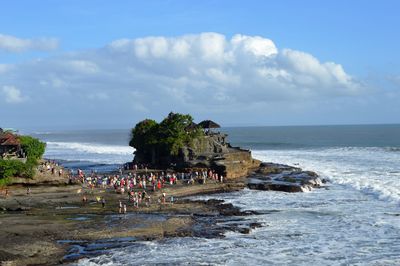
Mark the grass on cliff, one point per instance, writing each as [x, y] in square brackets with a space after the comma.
[5, 181]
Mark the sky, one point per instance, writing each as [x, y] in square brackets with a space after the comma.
[109, 64]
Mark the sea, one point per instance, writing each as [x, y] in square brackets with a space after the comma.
[353, 220]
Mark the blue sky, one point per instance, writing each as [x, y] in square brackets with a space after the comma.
[329, 62]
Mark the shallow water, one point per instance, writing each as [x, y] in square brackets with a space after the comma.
[323, 227]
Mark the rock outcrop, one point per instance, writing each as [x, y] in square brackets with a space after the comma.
[236, 163]
[280, 177]
[204, 149]
[213, 151]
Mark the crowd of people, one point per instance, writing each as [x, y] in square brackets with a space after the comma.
[50, 167]
[139, 185]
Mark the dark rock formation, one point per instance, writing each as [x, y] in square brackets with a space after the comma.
[210, 151]
[213, 151]
[280, 177]
[203, 150]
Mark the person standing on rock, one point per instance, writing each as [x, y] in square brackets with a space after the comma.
[103, 202]
[163, 198]
[120, 207]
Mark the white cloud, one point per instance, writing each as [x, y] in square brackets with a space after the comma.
[5, 68]
[12, 94]
[203, 73]
[10, 43]
[82, 66]
[256, 45]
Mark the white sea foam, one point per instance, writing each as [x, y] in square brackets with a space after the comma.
[369, 169]
[92, 148]
[91, 152]
[354, 221]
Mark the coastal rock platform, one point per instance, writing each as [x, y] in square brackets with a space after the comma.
[280, 177]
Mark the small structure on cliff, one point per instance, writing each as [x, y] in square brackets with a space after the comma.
[179, 143]
[10, 145]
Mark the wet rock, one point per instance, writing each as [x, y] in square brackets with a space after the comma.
[6, 256]
[17, 209]
[274, 168]
[280, 177]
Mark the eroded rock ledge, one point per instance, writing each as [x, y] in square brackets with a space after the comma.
[280, 177]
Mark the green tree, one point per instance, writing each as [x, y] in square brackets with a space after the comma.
[144, 139]
[152, 140]
[173, 133]
[144, 134]
[33, 148]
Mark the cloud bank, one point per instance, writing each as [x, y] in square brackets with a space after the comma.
[13, 44]
[204, 73]
[12, 94]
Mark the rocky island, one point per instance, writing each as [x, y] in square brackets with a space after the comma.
[193, 146]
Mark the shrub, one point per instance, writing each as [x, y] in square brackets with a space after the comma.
[5, 181]
[33, 148]
[10, 168]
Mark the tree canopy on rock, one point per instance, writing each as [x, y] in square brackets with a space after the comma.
[152, 139]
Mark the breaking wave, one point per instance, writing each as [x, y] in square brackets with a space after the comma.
[91, 148]
[90, 152]
[372, 170]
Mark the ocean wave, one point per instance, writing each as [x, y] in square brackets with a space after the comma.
[258, 144]
[371, 170]
[91, 148]
[393, 149]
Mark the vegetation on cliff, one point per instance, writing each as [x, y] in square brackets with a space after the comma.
[157, 140]
[34, 150]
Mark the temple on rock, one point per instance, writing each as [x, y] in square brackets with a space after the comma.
[193, 145]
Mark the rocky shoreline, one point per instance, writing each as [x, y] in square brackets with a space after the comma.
[52, 225]
[285, 178]
[46, 226]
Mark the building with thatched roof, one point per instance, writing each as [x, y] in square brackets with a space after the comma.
[10, 145]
